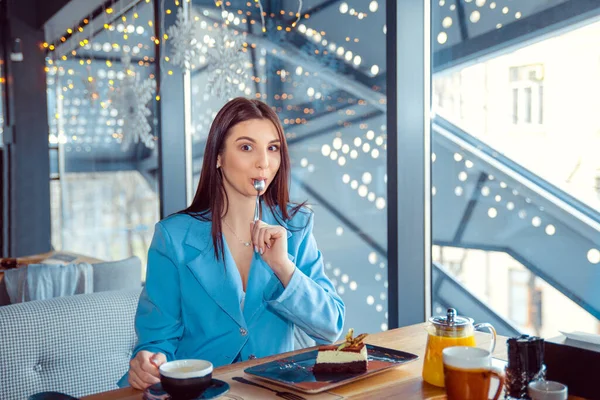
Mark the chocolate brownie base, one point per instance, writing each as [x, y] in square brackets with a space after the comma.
[351, 367]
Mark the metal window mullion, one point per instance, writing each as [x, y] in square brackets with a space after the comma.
[409, 182]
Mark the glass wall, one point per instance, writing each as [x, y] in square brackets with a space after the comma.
[102, 99]
[516, 172]
[320, 68]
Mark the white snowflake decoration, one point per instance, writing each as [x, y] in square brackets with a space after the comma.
[228, 66]
[130, 100]
[184, 43]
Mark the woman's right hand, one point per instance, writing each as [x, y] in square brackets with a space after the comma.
[143, 369]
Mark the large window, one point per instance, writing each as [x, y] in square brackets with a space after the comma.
[318, 68]
[515, 166]
[101, 99]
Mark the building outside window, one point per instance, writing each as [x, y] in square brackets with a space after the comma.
[527, 88]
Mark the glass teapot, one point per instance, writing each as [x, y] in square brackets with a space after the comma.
[447, 331]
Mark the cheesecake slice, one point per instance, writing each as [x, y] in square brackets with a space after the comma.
[348, 357]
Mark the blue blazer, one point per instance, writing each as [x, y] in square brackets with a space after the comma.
[190, 306]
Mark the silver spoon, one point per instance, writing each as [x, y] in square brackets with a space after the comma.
[259, 186]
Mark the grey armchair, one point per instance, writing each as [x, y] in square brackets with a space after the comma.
[78, 345]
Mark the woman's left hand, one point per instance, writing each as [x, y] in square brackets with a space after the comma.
[271, 243]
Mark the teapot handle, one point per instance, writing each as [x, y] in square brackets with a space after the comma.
[485, 325]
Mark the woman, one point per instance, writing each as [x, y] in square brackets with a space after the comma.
[220, 287]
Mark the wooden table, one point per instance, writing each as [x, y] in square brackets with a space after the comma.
[403, 382]
[40, 257]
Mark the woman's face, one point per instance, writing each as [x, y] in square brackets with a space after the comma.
[251, 152]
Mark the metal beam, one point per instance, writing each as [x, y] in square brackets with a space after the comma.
[468, 213]
[335, 211]
[293, 55]
[69, 16]
[314, 10]
[298, 40]
[102, 58]
[148, 164]
[328, 119]
[462, 22]
[360, 75]
[92, 166]
[451, 293]
[148, 168]
[327, 122]
[324, 108]
[199, 70]
[536, 270]
[554, 20]
[545, 191]
[97, 18]
[333, 127]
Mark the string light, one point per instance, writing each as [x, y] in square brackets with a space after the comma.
[127, 35]
[298, 14]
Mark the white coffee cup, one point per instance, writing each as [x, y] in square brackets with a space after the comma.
[186, 378]
[547, 390]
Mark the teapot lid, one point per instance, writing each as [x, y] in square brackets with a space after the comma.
[451, 320]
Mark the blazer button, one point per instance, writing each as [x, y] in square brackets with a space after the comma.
[251, 357]
[243, 332]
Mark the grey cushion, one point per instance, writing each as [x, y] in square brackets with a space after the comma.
[77, 345]
[118, 275]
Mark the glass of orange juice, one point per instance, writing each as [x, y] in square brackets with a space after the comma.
[448, 331]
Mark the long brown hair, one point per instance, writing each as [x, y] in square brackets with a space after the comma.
[210, 198]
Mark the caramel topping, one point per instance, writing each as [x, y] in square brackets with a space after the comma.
[352, 341]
